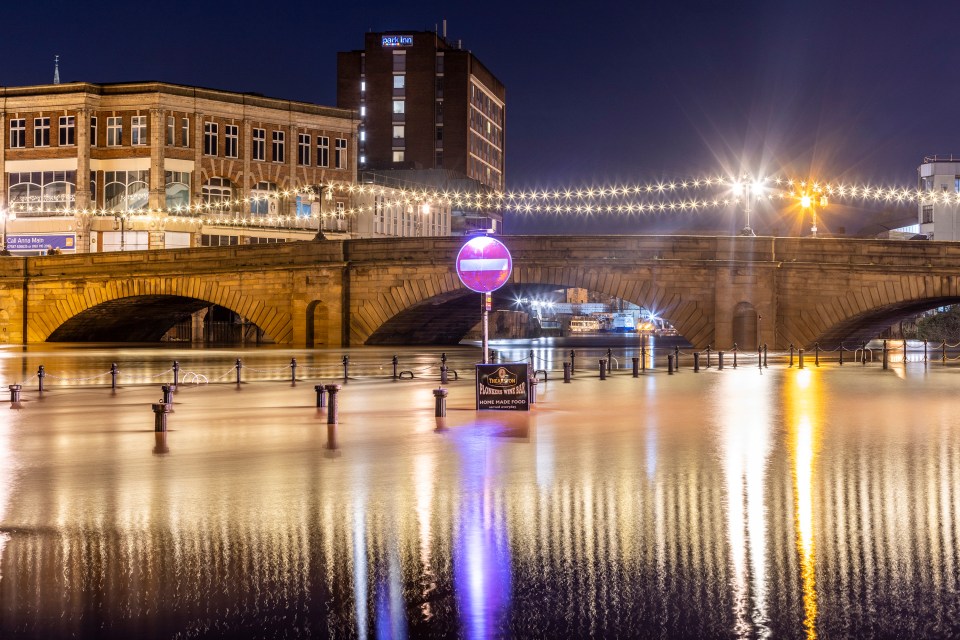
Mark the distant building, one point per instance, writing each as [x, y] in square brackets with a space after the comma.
[134, 152]
[939, 175]
[424, 103]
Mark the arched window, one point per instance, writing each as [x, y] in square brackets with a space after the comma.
[216, 190]
[125, 190]
[263, 199]
[41, 191]
[178, 189]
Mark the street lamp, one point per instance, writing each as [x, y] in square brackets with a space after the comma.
[807, 202]
[121, 219]
[748, 191]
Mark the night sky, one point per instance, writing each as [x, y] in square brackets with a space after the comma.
[597, 92]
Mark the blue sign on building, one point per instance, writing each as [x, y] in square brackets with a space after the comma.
[396, 41]
[41, 242]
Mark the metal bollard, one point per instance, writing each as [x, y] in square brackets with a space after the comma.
[636, 367]
[321, 395]
[160, 443]
[293, 371]
[443, 374]
[332, 416]
[238, 365]
[924, 350]
[696, 362]
[760, 357]
[735, 355]
[160, 411]
[676, 359]
[396, 361]
[530, 356]
[533, 390]
[643, 357]
[609, 360]
[167, 395]
[573, 361]
[800, 354]
[791, 354]
[670, 364]
[346, 367]
[765, 365]
[943, 352]
[176, 373]
[15, 393]
[603, 369]
[493, 356]
[708, 356]
[443, 358]
[863, 346]
[886, 356]
[816, 354]
[841, 353]
[41, 374]
[566, 372]
[113, 375]
[440, 403]
[720, 360]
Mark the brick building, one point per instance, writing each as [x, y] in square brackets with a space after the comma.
[424, 103]
[123, 148]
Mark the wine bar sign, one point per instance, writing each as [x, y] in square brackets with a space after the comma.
[503, 387]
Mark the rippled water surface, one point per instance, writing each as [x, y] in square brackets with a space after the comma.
[746, 503]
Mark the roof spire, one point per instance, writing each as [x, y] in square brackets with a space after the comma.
[56, 69]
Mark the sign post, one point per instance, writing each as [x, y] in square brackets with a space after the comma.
[484, 265]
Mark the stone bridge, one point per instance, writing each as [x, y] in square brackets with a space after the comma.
[714, 290]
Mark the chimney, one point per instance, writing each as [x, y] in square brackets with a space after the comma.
[444, 28]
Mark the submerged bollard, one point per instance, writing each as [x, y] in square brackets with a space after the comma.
[676, 359]
[15, 393]
[816, 353]
[636, 367]
[396, 361]
[160, 411]
[346, 367]
[886, 356]
[924, 350]
[167, 395]
[800, 354]
[566, 372]
[493, 356]
[113, 375]
[708, 356]
[643, 357]
[841, 353]
[443, 374]
[160, 443]
[696, 362]
[735, 355]
[176, 373]
[440, 403]
[238, 365]
[609, 360]
[863, 346]
[293, 371]
[41, 374]
[759, 357]
[791, 354]
[530, 357]
[670, 364]
[533, 390]
[765, 365]
[720, 360]
[603, 369]
[573, 360]
[332, 413]
[943, 352]
[321, 395]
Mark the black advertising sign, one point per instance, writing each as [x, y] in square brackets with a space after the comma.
[503, 387]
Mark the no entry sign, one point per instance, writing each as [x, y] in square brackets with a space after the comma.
[484, 264]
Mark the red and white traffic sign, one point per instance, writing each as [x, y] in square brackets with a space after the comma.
[484, 264]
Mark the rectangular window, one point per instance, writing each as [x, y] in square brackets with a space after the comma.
[303, 149]
[398, 156]
[323, 151]
[398, 133]
[956, 184]
[18, 133]
[138, 130]
[398, 107]
[340, 154]
[927, 214]
[231, 133]
[399, 61]
[211, 137]
[259, 146]
[41, 132]
[185, 132]
[114, 131]
[278, 153]
[171, 130]
[439, 136]
[363, 111]
[399, 81]
[67, 131]
[93, 131]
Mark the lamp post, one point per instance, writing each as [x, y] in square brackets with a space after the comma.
[11, 215]
[806, 202]
[747, 189]
[121, 219]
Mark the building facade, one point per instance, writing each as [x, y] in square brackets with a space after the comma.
[939, 176]
[424, 103]
[118, 166]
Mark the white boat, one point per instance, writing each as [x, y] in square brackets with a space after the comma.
[584, 324]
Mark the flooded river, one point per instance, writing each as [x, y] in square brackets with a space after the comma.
[740, 503]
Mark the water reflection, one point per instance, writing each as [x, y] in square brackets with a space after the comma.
[722, 504]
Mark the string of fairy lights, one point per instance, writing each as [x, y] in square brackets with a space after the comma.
[681, 195]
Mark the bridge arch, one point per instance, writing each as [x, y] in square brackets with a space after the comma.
[141, 309]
